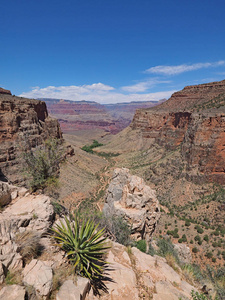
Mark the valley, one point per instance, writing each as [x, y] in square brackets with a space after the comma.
[176, 148]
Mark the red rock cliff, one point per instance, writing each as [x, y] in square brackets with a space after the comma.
[24, 123]
[194, 120]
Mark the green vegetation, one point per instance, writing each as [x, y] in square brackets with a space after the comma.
[197, 296]
[42, 164]
[84, 245]
[199, 229]
[216, 102]
[183, 239]
[116, 228]
[206, 238]
[141, 245]
[197, 238]
[89, 148]
[166, 247]
[209, 254]
[174, 233]
[195, 250]
[107, 154]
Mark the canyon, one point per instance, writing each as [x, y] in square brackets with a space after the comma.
[75, 116]
[194, 120]
[176, 148]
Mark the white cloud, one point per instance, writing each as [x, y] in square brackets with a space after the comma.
[98, 92]
[143, 85]
[174, 70]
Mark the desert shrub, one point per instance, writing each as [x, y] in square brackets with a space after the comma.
[107, 154]
[84, 245]
[151, 250]
[183, 239]
[166, 247]
[206, 238]
[199, 229]
[141, 245]
[197, 238]
[197, 296]
[195, 250]
[174, 233]
[116, 228]
[42, 163]
[192, 273]
[187, 223]
[28, 245]
[58, 208]
[216, 232]
[223, 254]
[209, 254]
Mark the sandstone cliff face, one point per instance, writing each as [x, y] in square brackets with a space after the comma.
[194, 120]
[24, 123]
[3, 91]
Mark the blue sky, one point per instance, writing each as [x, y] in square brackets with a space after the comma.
[110, 51]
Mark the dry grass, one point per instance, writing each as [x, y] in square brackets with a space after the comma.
[13, 278]
[29, 245]
[171, 260]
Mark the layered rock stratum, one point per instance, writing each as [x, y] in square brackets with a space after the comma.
[24, 123]
[89, 115]
[194, 120]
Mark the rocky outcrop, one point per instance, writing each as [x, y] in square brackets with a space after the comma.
[136, 275]
[128, 196]
[29, 213]
[74, 291]
[13, 292]
[5, 92]
[131, 273]
[24, 123]
[184, 253]
[194, 120]
[39, 275]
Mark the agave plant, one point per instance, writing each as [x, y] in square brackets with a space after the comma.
[84, 245]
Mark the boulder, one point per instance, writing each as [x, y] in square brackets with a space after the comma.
[121, 282]
[71, 291]
[184, 253]
[39, 275]
[128, 196]
[6, 193]
[33, 213]
[12, 292]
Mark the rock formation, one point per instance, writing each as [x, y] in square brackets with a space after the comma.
[3, 91]
[24, 123]
[128, 196]
[89, 115]
[29, 213]
[132, 274]
[193, 119]
[141, 276]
